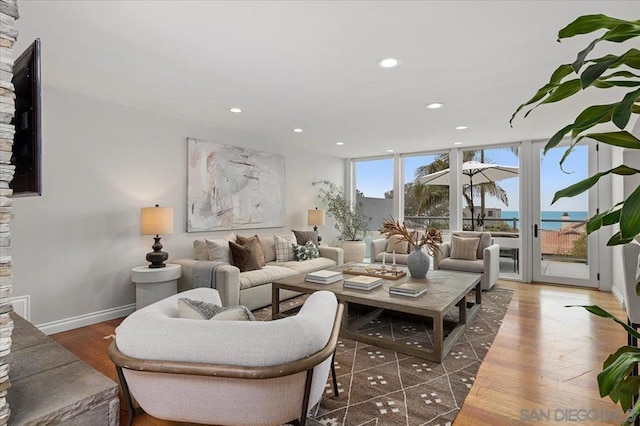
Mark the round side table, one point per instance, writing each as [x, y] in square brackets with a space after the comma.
[154, 284]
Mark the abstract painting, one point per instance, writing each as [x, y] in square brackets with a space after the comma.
[229, 187]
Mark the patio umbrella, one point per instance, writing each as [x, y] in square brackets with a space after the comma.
[473, 173]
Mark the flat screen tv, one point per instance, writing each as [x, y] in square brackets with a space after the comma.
[27, 141]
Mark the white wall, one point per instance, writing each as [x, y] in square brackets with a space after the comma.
[74, 246]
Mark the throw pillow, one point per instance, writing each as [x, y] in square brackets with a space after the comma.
[397, 243]
[218, 250]
[284, 248]
[243, 241]
[245, 257]
[200, 251]
[306, 251]
[464, 248]
[303, 236]
[197, 309]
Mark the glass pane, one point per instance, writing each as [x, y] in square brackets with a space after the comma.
[374, 189]
[425, 206]
[562, 235]
[491, 179]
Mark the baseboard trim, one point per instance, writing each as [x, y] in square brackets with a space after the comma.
[619, 296]
[22, 306]
[86, 319]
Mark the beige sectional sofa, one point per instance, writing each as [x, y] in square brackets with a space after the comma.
[250, 288]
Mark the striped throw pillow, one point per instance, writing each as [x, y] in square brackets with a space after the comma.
[464, 248]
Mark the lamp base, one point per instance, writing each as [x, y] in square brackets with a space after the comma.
[315, 229]
[157, 257]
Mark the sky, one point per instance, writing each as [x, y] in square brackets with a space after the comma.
[376, 176]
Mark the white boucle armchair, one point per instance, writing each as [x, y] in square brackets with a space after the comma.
[226, 372]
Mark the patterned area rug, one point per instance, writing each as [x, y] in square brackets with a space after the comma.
[381, 387]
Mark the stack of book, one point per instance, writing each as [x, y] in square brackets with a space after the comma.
[408, 289]
[323, 277]
[362, 282]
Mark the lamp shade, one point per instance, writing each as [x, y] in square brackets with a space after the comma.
[156, 220]
[316, 217]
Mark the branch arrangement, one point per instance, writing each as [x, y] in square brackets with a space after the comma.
[431, 238]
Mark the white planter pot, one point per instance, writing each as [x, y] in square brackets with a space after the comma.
[353, 251]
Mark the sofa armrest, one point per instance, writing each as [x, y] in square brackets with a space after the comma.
[185, 282]
[334, 253]
[491, 256]
[443, 253]
[228, 284]
[376, 247]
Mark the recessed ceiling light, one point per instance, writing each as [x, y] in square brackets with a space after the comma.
[457, 143]
[391, 150]
[388, 63]
[235, 110]
[339, 143]
[298, 130]
[435, 105]
[462, 127]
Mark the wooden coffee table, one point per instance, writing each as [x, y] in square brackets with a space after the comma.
[446, 289]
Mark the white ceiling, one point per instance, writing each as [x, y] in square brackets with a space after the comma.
[312, 64]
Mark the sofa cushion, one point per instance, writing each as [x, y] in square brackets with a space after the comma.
[245, 257]
[198, 309]
[256, 240]
[284, 248]
[462, 265]
[303, 236]
[464, 248]
[265, 275]
[306, 266]
[305, 251]
[398, 244]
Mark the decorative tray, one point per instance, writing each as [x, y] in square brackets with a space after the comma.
[370, 271]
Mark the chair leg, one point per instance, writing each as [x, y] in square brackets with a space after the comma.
[127, 395]
[633, 341]
[333, 375]
[307, 395]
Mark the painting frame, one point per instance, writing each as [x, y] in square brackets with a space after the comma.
[231, 187]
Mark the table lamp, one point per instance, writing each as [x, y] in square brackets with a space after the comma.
[155, 221]
[315, 218]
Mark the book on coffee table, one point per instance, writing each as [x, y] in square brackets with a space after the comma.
[408, 289]
[362, 282]
[324, 277]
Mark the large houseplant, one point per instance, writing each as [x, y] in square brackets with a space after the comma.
[351, 222]
[610, 71]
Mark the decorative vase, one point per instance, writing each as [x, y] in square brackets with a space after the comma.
[418, 263]
[353, 251]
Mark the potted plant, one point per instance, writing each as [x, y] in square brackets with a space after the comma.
[351, 222]
[610, 71]
[417, 262]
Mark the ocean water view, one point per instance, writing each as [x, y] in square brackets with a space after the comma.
[549, 216]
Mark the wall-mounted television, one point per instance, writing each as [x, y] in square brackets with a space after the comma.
[27, 141]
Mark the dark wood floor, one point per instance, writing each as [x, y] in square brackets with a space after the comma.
[544, 360]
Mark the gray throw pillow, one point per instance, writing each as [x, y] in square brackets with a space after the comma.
[197, 309]
[303, 236]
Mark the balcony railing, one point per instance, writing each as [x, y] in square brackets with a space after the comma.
[566, 243]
